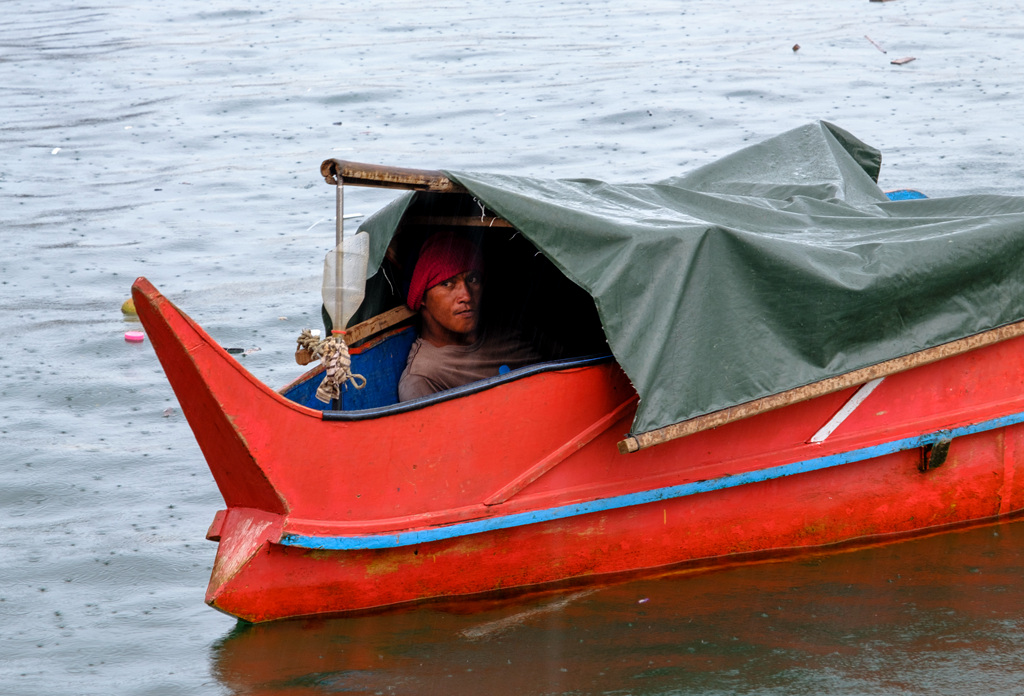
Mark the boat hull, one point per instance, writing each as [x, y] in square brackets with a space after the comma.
[878, 500]
[520, 486]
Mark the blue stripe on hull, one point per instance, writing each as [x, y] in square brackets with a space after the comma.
[421, 536]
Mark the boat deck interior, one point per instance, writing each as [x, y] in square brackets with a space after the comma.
[523, 291]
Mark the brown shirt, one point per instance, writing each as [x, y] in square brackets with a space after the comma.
[430, 369]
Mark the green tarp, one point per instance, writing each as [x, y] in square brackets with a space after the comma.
[778, 266]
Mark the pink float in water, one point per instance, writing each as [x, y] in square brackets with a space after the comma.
[134, 336]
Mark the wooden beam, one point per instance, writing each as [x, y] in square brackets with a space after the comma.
[457, 221]
[380, 176]
[374, 325]
[826, 386]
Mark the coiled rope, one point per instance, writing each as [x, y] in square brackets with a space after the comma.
[333, 353]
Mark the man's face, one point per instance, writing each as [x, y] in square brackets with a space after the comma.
[451, 310]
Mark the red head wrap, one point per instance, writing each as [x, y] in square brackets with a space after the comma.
[442, 256]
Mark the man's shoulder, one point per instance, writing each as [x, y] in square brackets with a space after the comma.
[413, 386]
[414, 381]
[423, 356]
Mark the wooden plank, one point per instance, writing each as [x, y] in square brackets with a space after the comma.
[825, 386]
[385, 320]
[381, 176]
[846, 411]
[457, 221]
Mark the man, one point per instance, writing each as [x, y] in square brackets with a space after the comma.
[453, 348]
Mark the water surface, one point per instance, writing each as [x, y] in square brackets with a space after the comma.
[183, 143]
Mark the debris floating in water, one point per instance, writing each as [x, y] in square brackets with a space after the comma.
[243, 351]
[875, 44]
[134, 336]
[129, 307]
[902, 61]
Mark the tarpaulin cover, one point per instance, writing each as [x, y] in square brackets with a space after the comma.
[775, 267]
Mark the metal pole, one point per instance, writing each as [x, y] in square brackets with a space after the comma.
[339, 258]
[339, 272]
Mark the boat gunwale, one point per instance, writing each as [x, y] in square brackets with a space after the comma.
[465, 390]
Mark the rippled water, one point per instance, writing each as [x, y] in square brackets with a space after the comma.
[182, 143]
[942, 615]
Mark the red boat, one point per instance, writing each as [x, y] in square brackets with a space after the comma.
[540, 478]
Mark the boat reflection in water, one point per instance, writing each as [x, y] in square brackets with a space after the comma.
[934, 615]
